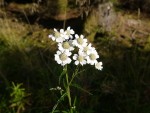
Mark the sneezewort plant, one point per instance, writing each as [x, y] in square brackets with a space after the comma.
[67, 42]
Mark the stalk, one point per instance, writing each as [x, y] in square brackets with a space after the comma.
[68, 87]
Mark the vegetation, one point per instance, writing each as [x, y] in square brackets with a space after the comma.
[29, 75]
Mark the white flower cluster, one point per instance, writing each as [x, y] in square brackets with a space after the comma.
[67, 41]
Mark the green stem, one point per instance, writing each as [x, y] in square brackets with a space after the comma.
[68, 88]
[68, 84]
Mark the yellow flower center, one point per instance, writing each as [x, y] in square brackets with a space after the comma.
[63, 57]
[57, 34]
[68, 32]
[80, 41]
[80, 58]
[98, 65]
[92, 56]
[66, 45]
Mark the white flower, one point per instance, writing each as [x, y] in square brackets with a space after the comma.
[67, 43]
[92, 57]
[87, 49]
[69, 32]
[99, 66]
[65, 46]
[79, 41]
[58, 36]
[80, 58]
[63, 57]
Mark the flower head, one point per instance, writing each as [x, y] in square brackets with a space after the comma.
[92, 57]
[79, 41]
[69, 32]
[63, 57]
[58, 36]
[66, 45]
[87, 49]
[80, 58]
[99, 66]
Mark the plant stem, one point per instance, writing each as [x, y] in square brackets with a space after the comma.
[68, 88]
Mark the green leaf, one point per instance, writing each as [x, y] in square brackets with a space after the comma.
[60, 99]
[78, 87]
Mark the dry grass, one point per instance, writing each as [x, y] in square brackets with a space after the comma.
[23, 35]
